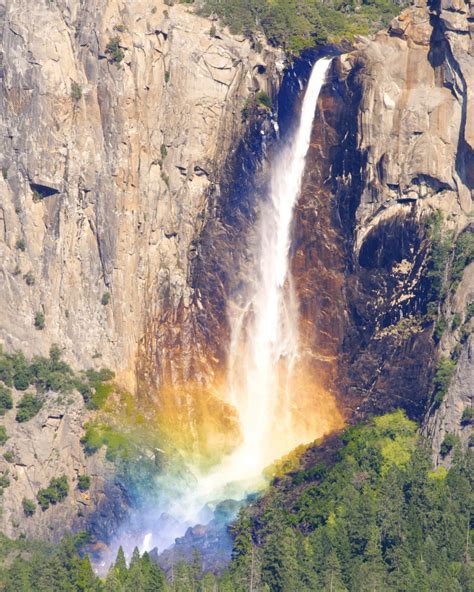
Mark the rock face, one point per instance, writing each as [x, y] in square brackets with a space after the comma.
[119, 118]
[48, 447]
[391, 145]
[107, 161]
[128, 198]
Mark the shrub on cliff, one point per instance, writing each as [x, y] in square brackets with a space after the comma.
[467, 416]
[76, 91]
[29, 278]
[39, 321]
[448, 443]
[29, 506]
[443, 376]
[53, 374]
[83, 482]
[114, 51]
[6, 401]
[56, 491]
[28, 406]
[463, 256]
[264, 101]
[4, 481]
[3, 435]
[438, 261]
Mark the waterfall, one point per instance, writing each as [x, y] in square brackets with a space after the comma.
[265, 334]
[264, 341]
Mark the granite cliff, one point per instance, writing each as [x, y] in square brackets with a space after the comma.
[127, 202]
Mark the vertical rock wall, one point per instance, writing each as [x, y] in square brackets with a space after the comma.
[392, 145]
[107, 161]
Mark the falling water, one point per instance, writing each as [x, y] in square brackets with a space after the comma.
[264, 340]
[265, 334]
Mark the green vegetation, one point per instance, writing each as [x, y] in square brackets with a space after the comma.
[456, 321]
[440, 250]
[297, 24]
[97, 435]
[20, 244]
[53, 374]
[4, 481]
[76, 91]
[6, 401]
[5, 172]
[467, 415]
[39, 320]
[105, 298]
[97, 387]
[9, 456]
[260, 102]
[440, 327]
[3, 435]
[445, 269]
[56, 491]
[448, 443]
[29, 506]
[379, 519]
[463, 255]
[83, 482]
[38, 566]
[114, 51]
[28, 406]
[29, 278]
[142, 574]
[469, 312]
[264, 101]
[443, 376]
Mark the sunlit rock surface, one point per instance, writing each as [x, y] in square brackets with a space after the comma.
[140, 179]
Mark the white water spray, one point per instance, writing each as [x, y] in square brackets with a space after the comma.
[265, 334]
[264, 340]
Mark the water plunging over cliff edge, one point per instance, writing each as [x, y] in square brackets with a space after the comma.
[264, 339]
[264, 346]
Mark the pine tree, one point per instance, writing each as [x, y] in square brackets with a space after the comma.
[155, 580]
[306, 569]
[136, 577]
[370, 575]
[121, 565]
[86, 580]
[245, 564]
[280, 564]
[117, 576]
[209, 583]
[332, 577]
[183, 578]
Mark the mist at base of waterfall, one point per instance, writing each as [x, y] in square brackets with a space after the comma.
[263, 355]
